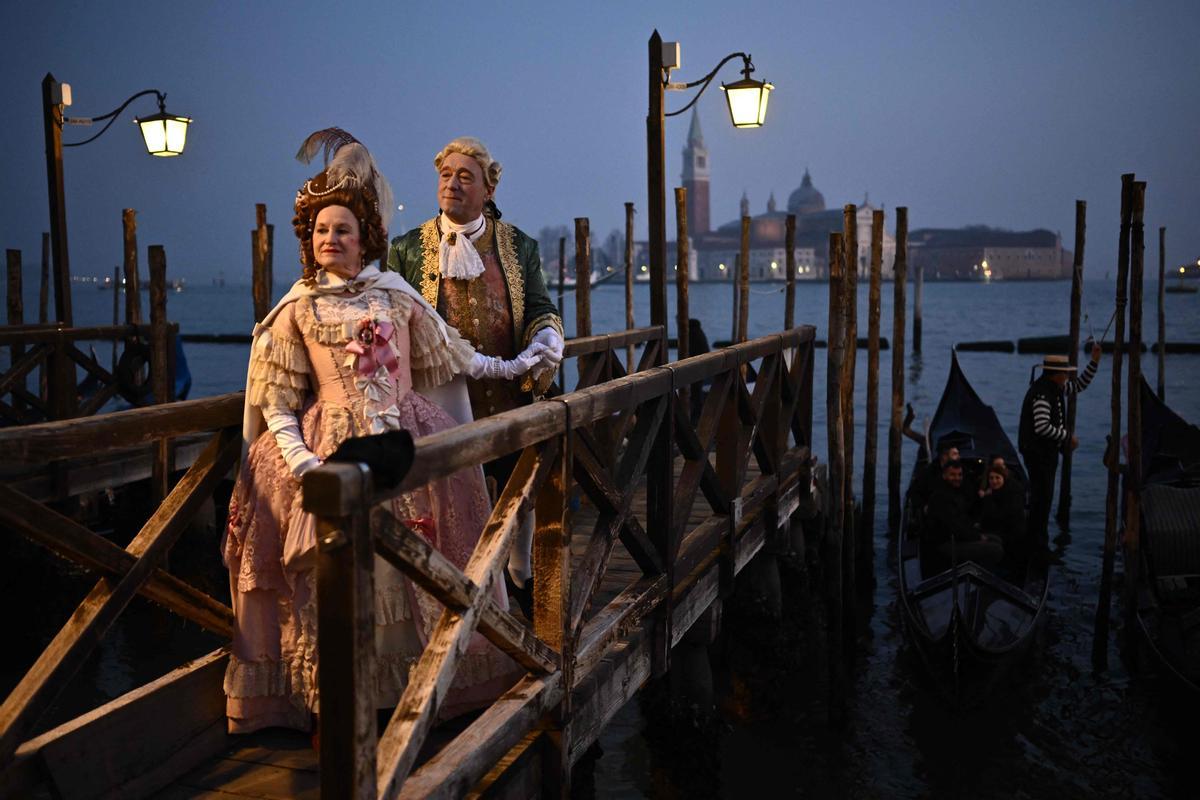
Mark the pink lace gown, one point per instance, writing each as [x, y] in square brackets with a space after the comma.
[303, 364]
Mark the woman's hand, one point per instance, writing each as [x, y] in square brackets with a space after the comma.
[482, 366]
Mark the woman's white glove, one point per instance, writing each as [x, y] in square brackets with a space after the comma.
[286, 429]
[552, 356]
[494, 368]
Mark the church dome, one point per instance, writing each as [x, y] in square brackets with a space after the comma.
[806, 199]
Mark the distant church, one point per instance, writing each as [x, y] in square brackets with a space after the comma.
[715, 252]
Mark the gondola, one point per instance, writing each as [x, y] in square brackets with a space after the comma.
[1168, 597]
[969, 625]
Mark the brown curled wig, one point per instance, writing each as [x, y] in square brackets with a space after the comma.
[362, 201]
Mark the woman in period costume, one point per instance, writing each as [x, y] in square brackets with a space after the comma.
[349, 351]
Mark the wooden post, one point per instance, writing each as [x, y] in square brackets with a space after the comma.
[1133, 426]
[260, 259]
[835, 519]
[161, 348]
[656, 184]
[346, 646]
[1064, 486]
[918, 290]
[849, 296]
[1162, 319]
[789, 297]
[683, 348]
[736, 284]
[562, 272]
[629, 319]
[1113, 455]
[871, 433]
[583, 278]
[16, 316]
[52, 123]
[133, 297]
[44, 315]
[895, 440]
[744, 282]
[116, 315]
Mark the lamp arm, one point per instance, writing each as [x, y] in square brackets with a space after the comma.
[112, 115]
[707, 79]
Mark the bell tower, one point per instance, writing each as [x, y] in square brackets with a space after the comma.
[695, 178]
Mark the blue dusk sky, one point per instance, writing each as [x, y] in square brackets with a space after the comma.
[968, 113]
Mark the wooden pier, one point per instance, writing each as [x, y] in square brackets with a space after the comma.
[655, 545]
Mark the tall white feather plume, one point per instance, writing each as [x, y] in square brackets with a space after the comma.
[345, 155]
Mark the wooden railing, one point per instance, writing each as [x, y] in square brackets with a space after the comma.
[139, 569]
[581, 663]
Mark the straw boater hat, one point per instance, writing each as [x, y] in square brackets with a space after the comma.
[1057, 364]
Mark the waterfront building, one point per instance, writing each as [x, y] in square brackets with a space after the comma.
[981, 253]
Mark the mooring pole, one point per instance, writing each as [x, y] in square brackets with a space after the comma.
[583, 278]
[744, 282]
[871, 435]
[161, 354]
[1133, 479]
[849, 295]
[789, 298]
[1112, 457]
[16, 316]
[682, 309]
[918, 290]
[562, 272]
[260, 256]
[133, 297]
[835, 519]
[899, 277]
[1064, 486]
[1162, 319]
[629, 319]
[116, 312]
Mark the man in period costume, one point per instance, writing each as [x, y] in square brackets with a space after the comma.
[1044, 433]
[485, 278]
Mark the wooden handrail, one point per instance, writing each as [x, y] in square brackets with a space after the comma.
[27, 334]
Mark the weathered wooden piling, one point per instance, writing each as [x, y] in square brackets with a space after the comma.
[834, 555]
[629, 319]
[789, 298]
[1133, 426]
[116, 311]
[682, 307]
[1112, 459]
[162, 356]
[583, 278]
[918, 290]
[562, 272]
[44, 286]
[1162, 318]
[683, 346]
[895, 440]
[871, 434]
[849, 295]
[16, 314]
[744, 281]
[735, 294]
[133, 297]
[1064, 486]
[261, 259]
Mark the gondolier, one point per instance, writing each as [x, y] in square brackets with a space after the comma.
[1044, 432]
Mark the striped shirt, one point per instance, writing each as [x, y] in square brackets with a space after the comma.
[1043, 420]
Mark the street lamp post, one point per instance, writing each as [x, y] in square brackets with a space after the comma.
[164, 135]
[747, 100]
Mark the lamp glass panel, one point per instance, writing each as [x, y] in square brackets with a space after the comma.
[176, 134]
[743, 105]
[155, 134]
[764, 95]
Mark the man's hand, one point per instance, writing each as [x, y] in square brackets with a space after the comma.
[553, 354]
[1096, 351]
[1074, 442]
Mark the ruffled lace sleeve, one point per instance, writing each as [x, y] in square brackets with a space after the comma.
[438, 351]
[279, 366]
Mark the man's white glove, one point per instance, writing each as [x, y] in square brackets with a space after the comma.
[494, 368]
[286, 429]
[553, 354]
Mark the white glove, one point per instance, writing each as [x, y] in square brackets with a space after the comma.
[553, 355]
[494, 368]
[282, 423]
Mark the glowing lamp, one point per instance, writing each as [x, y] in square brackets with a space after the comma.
[165, 134]
[747, 100]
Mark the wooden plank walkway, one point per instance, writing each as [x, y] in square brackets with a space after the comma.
[276, 764]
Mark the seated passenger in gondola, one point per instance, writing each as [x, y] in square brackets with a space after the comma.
[1012, 480]
[949, 531]
[1001, 510]
[930, 477]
